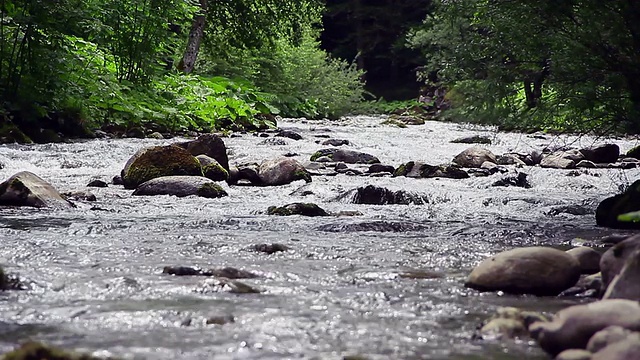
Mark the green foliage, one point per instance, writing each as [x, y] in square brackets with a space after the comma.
[536, 64]
[630, 217]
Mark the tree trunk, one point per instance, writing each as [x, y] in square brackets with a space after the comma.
[195, 38]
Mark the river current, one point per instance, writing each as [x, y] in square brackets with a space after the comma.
[94, 273]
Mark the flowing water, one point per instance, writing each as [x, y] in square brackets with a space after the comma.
[95, 272]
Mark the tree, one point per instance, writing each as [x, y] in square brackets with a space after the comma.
[570, 65]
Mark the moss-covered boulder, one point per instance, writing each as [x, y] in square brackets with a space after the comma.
[210, 145]
[38, 351]
[9, 133]
[304, 209]
[212, 168]
[28, 189]
[158, 161]
[181, 186]
[345, 156]
[611, 208]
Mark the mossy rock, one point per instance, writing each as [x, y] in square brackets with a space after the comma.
[404, 169]
[159, 161]
[394, 122]
[304, 209]
[634, 152]
[211, 191]
[212, 169]
[38, 351]
[9, 133]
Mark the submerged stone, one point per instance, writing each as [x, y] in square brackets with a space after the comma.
[345, 156]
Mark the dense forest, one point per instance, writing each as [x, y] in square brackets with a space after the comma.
[69, 66]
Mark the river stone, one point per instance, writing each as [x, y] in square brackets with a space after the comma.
[378, 168]
[374, 226]
[336, 142]
[606, 153]
[181, 186]
[374, 195]
[417, 169]
[212, 169]
[510, 322]
[270, 248]
[574, 354]
[157, 161]
[33, 350]
[518, 180]
[282, 171]
[558, 160]
[28, 189]
[626, 285]
[97, 183]
[588, 258]
[571, 328]
[532, 270]
[80, 195]
[228, 285]
[289, 134]
[511, 159]
[474, 157]
[346, 156]
[610, 208]
[246, 171]
[210, 145]
[474, 139]
[304, 209]
[614, 259]
[626, 349]
[606, 337]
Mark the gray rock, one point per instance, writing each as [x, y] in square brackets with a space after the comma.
[614, 259]
[606, 153]
[346, 156]
[210, 145]
[289, 134]
[374, 195]
[574, 354]
[304, 209]
[28, 189]
[587, 164]
[417, 169]
[588, 258]
[80, 195]
[606, 337]
[626, 284]
[627, 349]
[532, 270]
[474, 157]
[212, 169]
[510, 159]
[378, 168]
[559, 160]
[518, 180]
[336, 142]
[474, 139]
[571, 328]
[180, 186]
[282, 171]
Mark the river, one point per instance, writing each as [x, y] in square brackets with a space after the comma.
[95, 272]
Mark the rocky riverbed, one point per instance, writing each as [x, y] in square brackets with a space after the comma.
[381, 275]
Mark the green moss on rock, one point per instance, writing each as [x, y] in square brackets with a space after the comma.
[324, 152]
[38, 351]
[9, 133]
[215, 172]
[210, 190]
[302, 175]
[404, 169]
[160, 161]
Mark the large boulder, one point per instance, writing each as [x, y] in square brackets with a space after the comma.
[28, 189]
[180, 186]
[345, 156]
[610, 208]
[588, 258]
[282, 171]
[212, 168]
[474, 157]
[615, 258]
[606, 153]
[417, 169]
[573, 327]
[532, 270]
[210, 145]
[158, 161]
[626, 285]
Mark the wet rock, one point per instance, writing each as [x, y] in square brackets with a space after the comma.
[97, 183]
[374, 195]
[335, 142]
[28, 189]
[158, 161]
[210, 145]
[80, 195]
[610, 208]
[39, 351]
[416, 169]
[289, 134]
[606, 337]
[588, 258]
[375, 226]
[420, 274]
[220, 320]
[589, 286]
[474, 139]
[615, 258]
[571, 328]
[574, 354]
[573, 209]
[533, 270]
[346, 156]
[246, 171]
[117, 180]
[634, 152]
[282, 171]
[231, 273]
[407, 119]
[341, 167]
[509, 322]
[518, 180]
[304, 209]
[270, 248]
[493, 168]
[626, 284]
[586, 164]
[227, 285]
[626, 349]
[474, 157]
[606, 153]
[212, 169]
[378, 168]
[559, 160]
[510, 159]
[181, 186]
[273, 141]
[182, 271]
